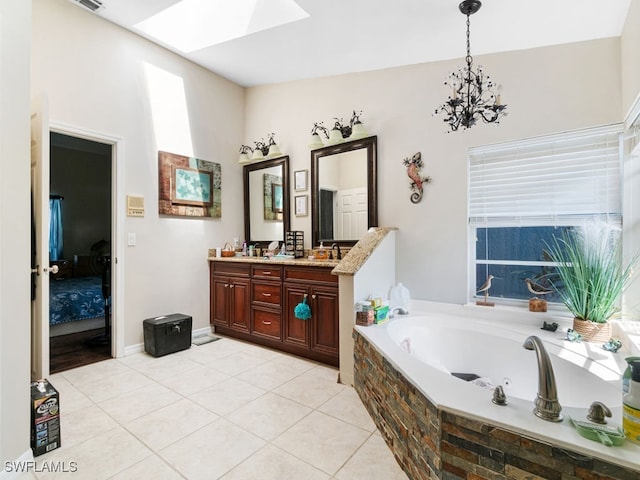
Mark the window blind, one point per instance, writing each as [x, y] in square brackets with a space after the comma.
[559, 179]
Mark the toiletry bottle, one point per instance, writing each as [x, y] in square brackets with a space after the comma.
[631, 405]
[244, 249]
[626, 376]
[321, 253]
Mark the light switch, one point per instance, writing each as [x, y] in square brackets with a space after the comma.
[132, 240]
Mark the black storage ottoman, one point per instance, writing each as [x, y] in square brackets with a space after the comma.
[167, 334]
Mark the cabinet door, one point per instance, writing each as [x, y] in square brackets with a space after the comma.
[295, 331]
[219, 300]
[324, 307]
[239, 304]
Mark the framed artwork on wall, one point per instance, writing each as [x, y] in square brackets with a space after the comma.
[300, 180]
[302, 202]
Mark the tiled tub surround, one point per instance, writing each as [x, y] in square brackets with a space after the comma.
[441, 427]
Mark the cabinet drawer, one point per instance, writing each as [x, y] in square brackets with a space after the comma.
[267, 293]
[266, 271]
[310, 274]
[230, 268]
[266, 323]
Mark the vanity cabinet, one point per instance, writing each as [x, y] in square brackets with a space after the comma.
[230, 296]
[255, 301]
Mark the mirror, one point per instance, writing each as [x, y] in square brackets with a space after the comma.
[266, 201]
[344, 197]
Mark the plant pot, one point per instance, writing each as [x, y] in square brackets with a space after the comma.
[592, 331]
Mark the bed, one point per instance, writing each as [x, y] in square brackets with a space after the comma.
[73, 299]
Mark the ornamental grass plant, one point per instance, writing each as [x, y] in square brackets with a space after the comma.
[589, 275]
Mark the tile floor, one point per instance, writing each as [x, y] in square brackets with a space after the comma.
[227, 410]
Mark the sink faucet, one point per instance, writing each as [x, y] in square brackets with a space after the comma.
[339, 253]
[547, 406]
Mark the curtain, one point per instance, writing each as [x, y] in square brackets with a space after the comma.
[55, 229]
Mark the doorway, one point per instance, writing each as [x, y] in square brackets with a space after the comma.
[80, 294]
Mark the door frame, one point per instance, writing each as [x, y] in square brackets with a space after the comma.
[117, 224]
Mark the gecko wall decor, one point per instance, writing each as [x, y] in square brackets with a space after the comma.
[414, 165]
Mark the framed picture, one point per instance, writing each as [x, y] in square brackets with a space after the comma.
[191, 187]
[276, 197]
[302, 202]
[300, 180]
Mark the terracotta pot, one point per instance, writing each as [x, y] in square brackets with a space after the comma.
[591, 331]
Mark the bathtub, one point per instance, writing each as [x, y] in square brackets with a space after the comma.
[427, 348]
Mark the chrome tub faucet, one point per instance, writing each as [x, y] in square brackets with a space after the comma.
[547, 406]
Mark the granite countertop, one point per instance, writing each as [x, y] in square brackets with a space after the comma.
[358, 255]
[274, 260]
[349, 265]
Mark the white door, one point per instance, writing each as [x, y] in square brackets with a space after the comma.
[352, 219]
[40, 194]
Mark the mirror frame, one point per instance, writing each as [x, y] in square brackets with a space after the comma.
[371, 146]
[252, 167]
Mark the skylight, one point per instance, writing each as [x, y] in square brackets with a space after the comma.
[191, 25]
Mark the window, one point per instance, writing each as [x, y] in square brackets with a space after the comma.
[524, 193]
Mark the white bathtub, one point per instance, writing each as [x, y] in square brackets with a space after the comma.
[452, 345]
[491, 346]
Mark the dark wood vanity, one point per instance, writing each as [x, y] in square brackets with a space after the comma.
[254, 300]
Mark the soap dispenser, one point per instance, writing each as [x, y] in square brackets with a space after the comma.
[631, 405]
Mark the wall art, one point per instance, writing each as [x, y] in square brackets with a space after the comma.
[414, 165]
[188, 186]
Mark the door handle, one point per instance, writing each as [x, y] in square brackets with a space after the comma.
[54, 269]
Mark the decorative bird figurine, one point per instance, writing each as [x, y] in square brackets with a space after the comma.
[536, 288]
[414, 165]
[484, 288]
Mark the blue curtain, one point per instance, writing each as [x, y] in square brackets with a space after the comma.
[55, 229]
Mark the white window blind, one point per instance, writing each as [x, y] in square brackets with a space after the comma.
[558, 179]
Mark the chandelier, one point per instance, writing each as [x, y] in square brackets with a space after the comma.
[472, 97]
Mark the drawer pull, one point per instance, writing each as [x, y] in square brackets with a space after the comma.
[264, 322]
[266, 272]
[266, 294]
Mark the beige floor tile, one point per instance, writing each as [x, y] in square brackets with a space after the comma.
[237, 362]
[326, 372]
[274, 373]
[310, 388]
[373, 461]
[96, 371]
[129, 406]
[273, 463]
[269, 415]
[226, 396]
[323, 441]
[211, 352]
[194, 380]
[151, 468]
[165, 367]
[347, 406]
[71, 399]
[167, 425]
[104, 388]
[100, 457]
[81, 425]
[212, 451]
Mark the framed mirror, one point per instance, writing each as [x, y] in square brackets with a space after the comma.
[266, 200]
[344, 195]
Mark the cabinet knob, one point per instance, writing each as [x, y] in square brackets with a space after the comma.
[231, 286]
[313, 296]
[226, 285]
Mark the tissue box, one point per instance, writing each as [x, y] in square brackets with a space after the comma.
[167, 334]
[45, 417]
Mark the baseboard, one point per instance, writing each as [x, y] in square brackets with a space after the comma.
[12, 470]
[139, 348]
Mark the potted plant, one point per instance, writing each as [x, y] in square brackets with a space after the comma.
[590, 277]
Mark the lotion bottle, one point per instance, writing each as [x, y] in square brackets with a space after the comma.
[631, 405]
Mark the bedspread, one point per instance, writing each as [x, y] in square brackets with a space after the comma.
[74, 299]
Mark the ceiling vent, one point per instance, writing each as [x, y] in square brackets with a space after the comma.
[92, 5]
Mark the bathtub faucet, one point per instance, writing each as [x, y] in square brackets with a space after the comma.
[547, 406]
[400, 310]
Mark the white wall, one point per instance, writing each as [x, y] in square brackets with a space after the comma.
[15, 235]
[630, 43]
[547, 90]
[104, 79]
